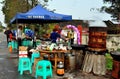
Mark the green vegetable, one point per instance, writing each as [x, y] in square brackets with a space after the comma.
[109, 61]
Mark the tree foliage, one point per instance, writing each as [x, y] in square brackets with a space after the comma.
[11, 7]
[113, 9]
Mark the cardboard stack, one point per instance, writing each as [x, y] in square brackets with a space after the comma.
[23, 51]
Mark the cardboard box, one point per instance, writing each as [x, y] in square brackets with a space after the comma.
[22, 48]
[23, 54]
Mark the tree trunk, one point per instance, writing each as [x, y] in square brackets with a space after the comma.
[94, 63]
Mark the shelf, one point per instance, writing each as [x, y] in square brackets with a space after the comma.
[58, 59]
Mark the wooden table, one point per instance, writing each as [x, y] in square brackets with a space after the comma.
[56, 57]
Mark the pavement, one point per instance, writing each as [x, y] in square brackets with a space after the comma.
[9, 67]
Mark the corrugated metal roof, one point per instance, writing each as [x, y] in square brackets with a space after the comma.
[96, 23]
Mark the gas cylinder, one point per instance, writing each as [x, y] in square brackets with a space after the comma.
[60, 69]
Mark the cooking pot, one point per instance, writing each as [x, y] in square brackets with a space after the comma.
[115, 55]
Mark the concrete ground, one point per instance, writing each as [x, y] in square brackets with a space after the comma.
[9, 66]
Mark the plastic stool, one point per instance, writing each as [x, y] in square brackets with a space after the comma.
[44, 69]
[9, 44]
[29, 43]
[24, 43]
[34, 55]
[14, 44]
[24, 64]
[10, 47]
[37, 42]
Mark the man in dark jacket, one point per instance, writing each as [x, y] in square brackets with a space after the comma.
[8, 32]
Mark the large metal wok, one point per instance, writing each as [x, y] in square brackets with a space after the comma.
[115, 55]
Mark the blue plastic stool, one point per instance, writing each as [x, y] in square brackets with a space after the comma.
[24, 64]
[34, 55]
[44, 69]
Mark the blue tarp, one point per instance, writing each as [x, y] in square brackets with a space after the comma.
[38, 14]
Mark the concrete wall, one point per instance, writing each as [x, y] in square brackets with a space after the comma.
[113, 42]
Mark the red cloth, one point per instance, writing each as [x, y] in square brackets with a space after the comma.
[80, 30]
[22, 55]
[10, 36]
[59, 31]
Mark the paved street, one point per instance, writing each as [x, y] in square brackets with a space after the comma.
[8, 62]
[8, 66]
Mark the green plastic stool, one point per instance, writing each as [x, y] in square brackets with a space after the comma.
[44, 69]
[9, 44]
[29, 43]
[23, 43]
[26, 43]
[38, 42]
[14, 44]
[24, 64]
[34, 55]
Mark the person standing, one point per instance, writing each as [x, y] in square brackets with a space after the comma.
[34, 40]
[19, 35]
[68, 34]
[8, 32]
[72, 37]
[54, 36]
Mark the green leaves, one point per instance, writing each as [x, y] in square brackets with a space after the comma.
[11, 7]
[113, 9]
[109, 61]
